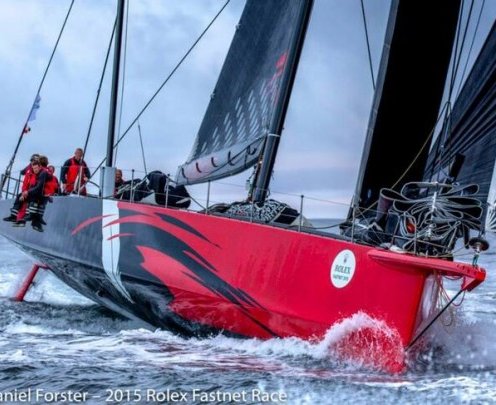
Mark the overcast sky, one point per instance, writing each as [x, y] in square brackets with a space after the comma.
[325, 126]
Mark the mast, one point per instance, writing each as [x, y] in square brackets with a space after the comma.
[268, 157]
[115, 83]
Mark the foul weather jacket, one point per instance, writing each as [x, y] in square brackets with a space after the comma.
[70, 172]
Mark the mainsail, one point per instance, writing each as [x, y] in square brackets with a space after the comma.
[248, 92]
[414, 65]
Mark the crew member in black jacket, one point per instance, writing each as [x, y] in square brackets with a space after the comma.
[35, 197]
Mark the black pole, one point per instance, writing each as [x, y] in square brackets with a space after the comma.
[115, 83]
[264, 171]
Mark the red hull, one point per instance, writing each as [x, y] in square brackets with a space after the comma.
[288, 274]
[219, 273]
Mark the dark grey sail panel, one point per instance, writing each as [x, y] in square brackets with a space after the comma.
[412, 73]
[236, 123]
[473, 125]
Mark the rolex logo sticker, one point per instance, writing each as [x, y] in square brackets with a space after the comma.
[343, 268]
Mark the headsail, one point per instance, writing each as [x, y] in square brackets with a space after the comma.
[247, 94]
[473, 130]
[414, 65]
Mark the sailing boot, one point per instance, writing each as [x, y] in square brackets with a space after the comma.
[36, 222]
[37, 226]
[20, 223]
[10, 218]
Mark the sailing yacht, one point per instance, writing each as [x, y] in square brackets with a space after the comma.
[252, 268]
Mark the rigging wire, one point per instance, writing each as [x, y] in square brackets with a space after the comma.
[447, 305]
[471, 47]
[455, 51]
[99, 89]
[368, 45]
[11, 163]
[443, 136]
[124, 57]
[142, 148]
[440, 150]
[135, 120]
[458, 55]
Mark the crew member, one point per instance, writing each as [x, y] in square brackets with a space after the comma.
[34, 156]
[35, 197]
[52, 186]
[18, 210]
[75, 174]
[119, 181]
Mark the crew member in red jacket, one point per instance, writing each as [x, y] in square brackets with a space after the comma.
[75, 174]
[35, 198]
[18, 210]
[34, 156]
[52, 186]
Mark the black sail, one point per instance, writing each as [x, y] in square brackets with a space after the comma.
[472, 125]
[414, 65]
[472, 132]
[247, 93]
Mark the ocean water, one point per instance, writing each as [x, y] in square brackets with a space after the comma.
[57, 347]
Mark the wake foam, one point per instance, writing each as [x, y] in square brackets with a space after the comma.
[367, 342]
[358, 342]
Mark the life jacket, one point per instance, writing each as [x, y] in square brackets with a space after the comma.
[46, 186]
[29, 179]
[73, 172]
[51, 186]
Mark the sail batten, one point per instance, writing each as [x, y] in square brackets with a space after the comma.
[247, 94]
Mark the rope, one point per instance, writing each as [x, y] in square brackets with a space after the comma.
[99, 89]
[11, 163]
[368, 45]
[135, 120]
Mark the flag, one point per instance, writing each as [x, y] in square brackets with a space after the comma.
[34, 108]
[32, 114]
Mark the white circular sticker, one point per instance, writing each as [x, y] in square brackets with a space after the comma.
[343, 268]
